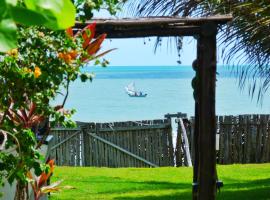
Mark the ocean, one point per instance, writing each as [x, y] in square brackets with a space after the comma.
[169, 91]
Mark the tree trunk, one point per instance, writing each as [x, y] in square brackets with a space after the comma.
[21, 192]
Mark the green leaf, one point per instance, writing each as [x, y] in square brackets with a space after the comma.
[83, 77]
[37, 168]
[27, 17]
[60, 14]
[12, 2]
[8, 35]
[3, 8]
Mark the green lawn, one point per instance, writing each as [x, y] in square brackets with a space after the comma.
[240, 182]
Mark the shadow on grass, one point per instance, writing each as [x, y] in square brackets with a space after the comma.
[131, 186]
[173, 196]
[247, 190]
[246, 194]
[253, 183]
[157, 187]
[175, 192]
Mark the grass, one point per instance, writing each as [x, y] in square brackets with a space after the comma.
[242, 182]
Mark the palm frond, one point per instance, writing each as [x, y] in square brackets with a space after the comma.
[247, 35]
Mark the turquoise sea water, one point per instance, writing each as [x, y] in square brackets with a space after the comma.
[169, 91]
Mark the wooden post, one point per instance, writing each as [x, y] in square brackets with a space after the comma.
[206, 111]
[196, 155]
[195, 85]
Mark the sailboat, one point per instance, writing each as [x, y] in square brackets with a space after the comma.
[133, 92]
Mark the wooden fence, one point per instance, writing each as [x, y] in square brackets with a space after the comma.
[242, 139]
[118, 144]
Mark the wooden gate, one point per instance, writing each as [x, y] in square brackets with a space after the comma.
[67, 146]
[118, 144]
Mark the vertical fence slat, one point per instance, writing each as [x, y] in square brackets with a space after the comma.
[264, 139]
[221, 140]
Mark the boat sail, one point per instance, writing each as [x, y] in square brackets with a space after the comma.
[133, 92]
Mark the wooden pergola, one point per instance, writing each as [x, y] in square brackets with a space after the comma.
[204, 83]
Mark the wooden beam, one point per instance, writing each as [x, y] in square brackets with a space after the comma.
[65, 129]
[206, 112]
[154, 21]
[196, 155]
[151, 26]
[196, 130]
[177, 115]
[136, 32]
[132, 128]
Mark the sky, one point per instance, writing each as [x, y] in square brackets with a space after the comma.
[140, 51]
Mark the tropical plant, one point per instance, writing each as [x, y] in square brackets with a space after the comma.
[53, 14]
[88, 45]
[40, 184]
[26, 117]
[35, 64]
[246, 39]
[30, 77]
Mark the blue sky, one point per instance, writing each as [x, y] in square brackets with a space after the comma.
[140, 51]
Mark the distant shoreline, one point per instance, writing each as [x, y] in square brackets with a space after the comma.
[186, 65]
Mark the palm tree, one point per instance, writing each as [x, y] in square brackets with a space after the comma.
[248, 34]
